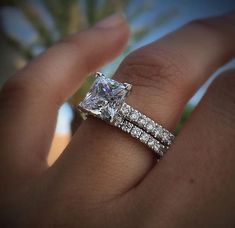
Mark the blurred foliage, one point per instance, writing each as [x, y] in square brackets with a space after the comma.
[184, 118]
[70, 16]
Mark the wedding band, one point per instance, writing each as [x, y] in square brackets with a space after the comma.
[106, 101]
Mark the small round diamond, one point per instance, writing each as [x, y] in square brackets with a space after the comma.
[134, 116]
[156, 147]
[150, 126]
[127, 126]
[142, 121]
[158, 133]
[144, 137]
[125, 109]
[118, 120]
[151, 142]
[136, 132]
[166, 138]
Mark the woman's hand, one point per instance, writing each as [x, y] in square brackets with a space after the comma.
[104, 178]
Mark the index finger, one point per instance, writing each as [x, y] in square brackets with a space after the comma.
[30, 100]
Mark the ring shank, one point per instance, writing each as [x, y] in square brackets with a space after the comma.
[147, 124]
[144, 129]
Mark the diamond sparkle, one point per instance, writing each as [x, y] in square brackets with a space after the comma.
[127, 126]
[144, 137]
[105, 97]
[136, 132]
[134, 116]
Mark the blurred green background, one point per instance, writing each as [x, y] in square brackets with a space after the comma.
[29, 27]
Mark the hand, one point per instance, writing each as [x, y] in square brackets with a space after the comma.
[104, 178]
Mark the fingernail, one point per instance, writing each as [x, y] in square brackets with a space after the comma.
[111, 21]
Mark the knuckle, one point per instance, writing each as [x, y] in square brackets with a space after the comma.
[18, 89]
[222, 95]
[15, 88]
[76, 47]
[221, 26]
[69, 42]
[154, 67]
[209, 23]
[224, 84]
[75, 42]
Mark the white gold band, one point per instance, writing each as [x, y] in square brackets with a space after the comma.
[141, 135]
[144, 129]
[147, 124]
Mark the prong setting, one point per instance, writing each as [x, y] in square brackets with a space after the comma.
[128, 86]
[98, 74]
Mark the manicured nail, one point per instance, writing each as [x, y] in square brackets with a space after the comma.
[111, 21]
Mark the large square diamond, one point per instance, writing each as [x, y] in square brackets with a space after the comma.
[105, 97]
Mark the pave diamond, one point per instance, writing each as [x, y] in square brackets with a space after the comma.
[158, 133]
[118, 120]
[105, 98]
[144, 137]
[136, 132]
[151, 142]
[156, 146]
[166, 138]
[134, 116]
[125, 110]
[150, 126]
[142, 121]
[127, 126]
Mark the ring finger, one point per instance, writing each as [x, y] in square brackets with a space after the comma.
[164, 74]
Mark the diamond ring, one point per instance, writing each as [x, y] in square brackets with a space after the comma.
[106, 101]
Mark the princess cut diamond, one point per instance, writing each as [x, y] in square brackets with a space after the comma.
[105, 97]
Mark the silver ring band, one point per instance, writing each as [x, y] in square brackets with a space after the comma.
[147, 124]
[142, 136]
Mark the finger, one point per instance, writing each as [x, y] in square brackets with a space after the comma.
[164, 75]
[195, 184]
[30, 100]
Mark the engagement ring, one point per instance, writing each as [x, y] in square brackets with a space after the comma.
[106, 100]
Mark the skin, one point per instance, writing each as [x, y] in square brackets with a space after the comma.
[105, 178]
